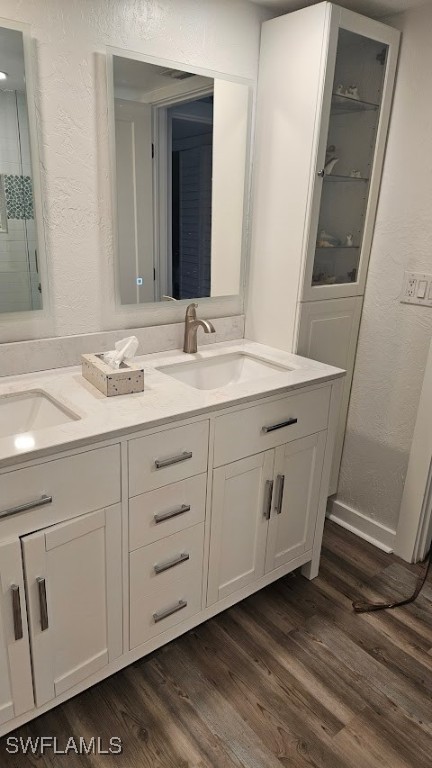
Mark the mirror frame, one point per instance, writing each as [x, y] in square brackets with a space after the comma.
[167, 311]
[32, 323]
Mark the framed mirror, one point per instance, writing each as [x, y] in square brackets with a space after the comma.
[21, 249]
[180, 157]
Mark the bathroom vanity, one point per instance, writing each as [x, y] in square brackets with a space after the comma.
[126, 521]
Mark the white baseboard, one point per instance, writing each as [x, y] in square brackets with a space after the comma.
[370, 530]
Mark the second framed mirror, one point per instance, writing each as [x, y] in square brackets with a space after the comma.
[181, 171]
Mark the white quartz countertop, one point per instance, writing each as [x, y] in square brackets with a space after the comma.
[164, 399]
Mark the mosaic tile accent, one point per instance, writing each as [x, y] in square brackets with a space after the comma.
[3, 213]
[19, 196]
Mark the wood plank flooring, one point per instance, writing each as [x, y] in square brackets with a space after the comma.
[289, 677]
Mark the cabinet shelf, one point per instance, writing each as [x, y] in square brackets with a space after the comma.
[331, 248]
[335, 178]
[344, 105]
[319, 284]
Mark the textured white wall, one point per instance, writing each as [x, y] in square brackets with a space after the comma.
[394, 338]
[71, 35]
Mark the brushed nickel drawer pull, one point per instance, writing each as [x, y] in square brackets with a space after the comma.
[43, 603]
[280, 480]
[280, 425]
[160, 517]
[268, 493]
[16, 611]
[27, 505]
[161, 463]
[159, 615]
[161, 567]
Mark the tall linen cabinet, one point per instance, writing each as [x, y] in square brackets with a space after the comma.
[324, 97]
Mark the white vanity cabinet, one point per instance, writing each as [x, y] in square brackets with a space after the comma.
[326, 78]
[110, 551]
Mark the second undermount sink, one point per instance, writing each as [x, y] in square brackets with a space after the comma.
[220, 371]
[26, 412]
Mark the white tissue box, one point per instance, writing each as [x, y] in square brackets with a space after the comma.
[126, 380]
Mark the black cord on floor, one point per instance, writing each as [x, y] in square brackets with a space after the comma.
[363, 606]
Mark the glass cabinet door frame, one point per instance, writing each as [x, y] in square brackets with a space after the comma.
[340, 18]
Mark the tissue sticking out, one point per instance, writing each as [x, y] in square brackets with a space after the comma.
[114, 372]
[124, 350]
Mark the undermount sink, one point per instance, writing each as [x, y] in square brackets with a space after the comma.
[220, 371]
[30, 411]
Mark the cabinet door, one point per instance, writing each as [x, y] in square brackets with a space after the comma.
[16, 690]
[240, 511]
[328, 332]
[361, 63]
[298, 467]
[73, 575]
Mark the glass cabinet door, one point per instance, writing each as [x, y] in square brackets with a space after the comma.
[354, 118]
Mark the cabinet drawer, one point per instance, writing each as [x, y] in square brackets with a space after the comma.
[62, 488]
[166, 457]
[162, 512]
[268, 425]
[162, 593]
[167, 561]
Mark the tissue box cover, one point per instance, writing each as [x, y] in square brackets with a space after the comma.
[126, 380]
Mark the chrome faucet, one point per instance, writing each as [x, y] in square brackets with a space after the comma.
[192, 323]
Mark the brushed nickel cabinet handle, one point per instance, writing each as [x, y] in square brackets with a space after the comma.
[27, 505]
[16, 611]
[159, 615]
[321, 173]
[161, 567]
[280, 480]
[161, 463]
[268, 493]
[280, 425]
[43, 605]
[160, 517]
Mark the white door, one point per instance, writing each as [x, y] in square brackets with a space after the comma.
[328, 332]
[16, 689]
[298, 467]
[73, 576]
[134, 181]
[240, 511]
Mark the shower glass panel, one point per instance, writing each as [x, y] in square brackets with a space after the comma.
[20, 286]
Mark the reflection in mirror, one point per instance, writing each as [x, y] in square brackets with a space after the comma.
[20, 285]
[181, 144]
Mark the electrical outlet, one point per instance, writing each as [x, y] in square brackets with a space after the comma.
[417, 289]
[411, 286]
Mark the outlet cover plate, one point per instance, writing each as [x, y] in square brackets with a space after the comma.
[417, 289]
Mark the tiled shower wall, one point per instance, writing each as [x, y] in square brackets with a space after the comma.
[19, 280]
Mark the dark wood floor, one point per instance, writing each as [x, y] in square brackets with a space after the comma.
[290, 677]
